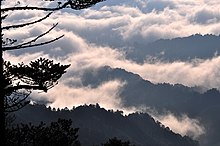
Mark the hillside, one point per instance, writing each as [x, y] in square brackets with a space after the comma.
[176, 98]
[138, 91]
[96, 125]
[184, 49]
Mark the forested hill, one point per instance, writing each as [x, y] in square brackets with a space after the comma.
[96, 125]
[184, 49]
[176, 98]
[137, 91]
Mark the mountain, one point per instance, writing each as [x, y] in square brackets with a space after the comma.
[138, 91]
[176, 98]
[184, 49]
[96, 125]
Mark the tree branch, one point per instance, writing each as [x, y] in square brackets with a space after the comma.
[74, 4]
[27, 87]
[35, 39]
[16, 107]
[34, 8]
[25, 24]
[16, 104]
[29, 46]
[4, 16]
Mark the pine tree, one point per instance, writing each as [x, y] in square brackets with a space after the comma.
[18, 81]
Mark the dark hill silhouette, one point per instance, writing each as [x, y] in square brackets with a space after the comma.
[97, 125]
[137, 91]
[175, 98]
[184, 49]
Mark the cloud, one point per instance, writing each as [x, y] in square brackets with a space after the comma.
[103, 34]
[25, 58]
[206, 16]
[107, 95]
[61, 96]
[122, 24]
[181, 124]
[198, 72]
[159, 5]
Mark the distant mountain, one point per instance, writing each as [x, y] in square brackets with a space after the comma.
[184, 49]
[176, 98]
[96, 125]
[138, 91]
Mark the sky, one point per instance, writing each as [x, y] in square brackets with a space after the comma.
[101, 35]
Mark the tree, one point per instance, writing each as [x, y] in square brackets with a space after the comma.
[58, 133]
[117, 142]
[18, 81]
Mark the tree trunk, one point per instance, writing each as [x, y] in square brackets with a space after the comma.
[2, 109]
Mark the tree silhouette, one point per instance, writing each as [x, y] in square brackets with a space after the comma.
[18, 81]
[117, 142]
[58, 133]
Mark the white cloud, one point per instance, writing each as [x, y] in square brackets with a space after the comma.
[61, 96]
[82, 54]
[93, 40]
[119, 23]
[195, 73]
[181, 124]
[25, 58]
[94, 37]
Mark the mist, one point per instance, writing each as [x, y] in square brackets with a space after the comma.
[181, 124]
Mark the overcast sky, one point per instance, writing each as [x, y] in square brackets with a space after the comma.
[95, 37]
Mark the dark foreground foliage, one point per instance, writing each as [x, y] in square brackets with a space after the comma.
[58, 133]
[117, 142]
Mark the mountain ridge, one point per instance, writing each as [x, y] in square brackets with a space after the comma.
[182, 48]
[97, 125]
[177, 98]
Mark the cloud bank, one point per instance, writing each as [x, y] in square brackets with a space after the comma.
[106, 95]
[103, 34]
[123, 23]
[181, 124]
